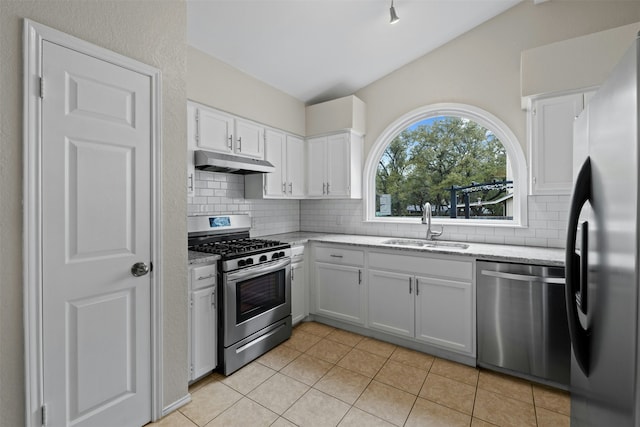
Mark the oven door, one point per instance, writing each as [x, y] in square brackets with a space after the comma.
[255, 297]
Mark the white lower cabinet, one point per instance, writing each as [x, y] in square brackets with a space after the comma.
[338, 284]
[427, 298]
[391, 306]
[203, 332]
[202, 321]
[299, 288]
[444, 310]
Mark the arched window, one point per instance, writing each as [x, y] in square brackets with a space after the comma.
[462, 160]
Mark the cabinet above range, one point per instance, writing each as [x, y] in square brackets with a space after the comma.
[214, 130]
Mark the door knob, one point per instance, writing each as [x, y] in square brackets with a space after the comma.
[139, 269]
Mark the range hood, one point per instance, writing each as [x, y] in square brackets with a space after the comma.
[219, 162]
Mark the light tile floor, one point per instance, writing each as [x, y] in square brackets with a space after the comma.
[324, 376]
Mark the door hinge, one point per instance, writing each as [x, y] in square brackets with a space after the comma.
[44, 414]
[42, 87]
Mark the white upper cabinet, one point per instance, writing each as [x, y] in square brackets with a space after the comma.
[551, 143]
[335, 166]
[249, 139]
[218, 131]
[287, 154]
[296, 171]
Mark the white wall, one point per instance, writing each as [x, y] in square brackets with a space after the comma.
[151, 32]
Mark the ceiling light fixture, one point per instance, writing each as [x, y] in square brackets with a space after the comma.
[394, 15]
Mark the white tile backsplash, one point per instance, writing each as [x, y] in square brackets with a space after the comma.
[547, 223]
[220, 193]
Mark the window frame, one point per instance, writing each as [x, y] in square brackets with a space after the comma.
[515, 154]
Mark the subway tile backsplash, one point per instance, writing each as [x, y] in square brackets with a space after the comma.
[220, 193]
[223, 193]
[547, 223]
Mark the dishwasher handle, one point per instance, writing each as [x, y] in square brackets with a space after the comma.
[523, 277]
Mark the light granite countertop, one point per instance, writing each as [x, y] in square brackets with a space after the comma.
[201, 257]
[484, 251]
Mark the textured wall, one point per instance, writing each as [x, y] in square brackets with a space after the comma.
[153, 33]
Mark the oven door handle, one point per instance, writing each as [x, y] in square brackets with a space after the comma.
[258, 270]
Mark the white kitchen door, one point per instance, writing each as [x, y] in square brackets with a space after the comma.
[96, 224]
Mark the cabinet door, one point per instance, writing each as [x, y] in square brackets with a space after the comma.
[338, 164]
[274, 149]
[249, 139]
[316, 183]
[215, 130]
[298, 292]
[444, 313]
[391, 302]
[296, 172]
[340, 292]
[203, 332]
[552, 143]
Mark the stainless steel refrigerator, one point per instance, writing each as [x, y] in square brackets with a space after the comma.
[602, 255]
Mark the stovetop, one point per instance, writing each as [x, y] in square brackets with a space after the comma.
[236, 248]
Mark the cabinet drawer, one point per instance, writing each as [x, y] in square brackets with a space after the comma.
[203, 276]
[338, 255]
[439, 267]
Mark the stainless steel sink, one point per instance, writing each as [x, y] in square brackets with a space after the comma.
[417, 243]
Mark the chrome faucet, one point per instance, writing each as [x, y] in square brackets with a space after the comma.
[426, 219]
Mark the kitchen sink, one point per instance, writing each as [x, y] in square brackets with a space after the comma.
[417, 243]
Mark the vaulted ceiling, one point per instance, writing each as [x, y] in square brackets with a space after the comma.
[315, 50]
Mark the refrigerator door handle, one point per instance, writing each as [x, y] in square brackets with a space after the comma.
[576, 269]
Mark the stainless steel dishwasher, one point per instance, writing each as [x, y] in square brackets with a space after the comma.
[522, 321]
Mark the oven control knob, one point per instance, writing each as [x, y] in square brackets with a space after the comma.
[263, 258]
[280, 254]
[275, 255]
[249, 261]
[241, 263]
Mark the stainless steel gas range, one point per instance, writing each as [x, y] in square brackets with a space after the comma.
[254, 287]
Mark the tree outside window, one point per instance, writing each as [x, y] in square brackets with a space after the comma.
[441, 160]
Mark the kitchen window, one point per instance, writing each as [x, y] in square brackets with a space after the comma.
[462, 160]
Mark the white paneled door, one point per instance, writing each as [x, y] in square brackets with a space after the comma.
[96, 232]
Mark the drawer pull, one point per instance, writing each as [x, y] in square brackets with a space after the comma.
[335, 256]
[206, 277]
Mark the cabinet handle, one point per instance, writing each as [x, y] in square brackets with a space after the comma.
[240, 144]
[290, 188]
[324, 187]
[359, 277]
[292, 273]
[213, 299]
[417, 287]
[206, 277]
[284, 187]
[230, 145]
[327, 188]
[335, 256]
[410, 280]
